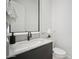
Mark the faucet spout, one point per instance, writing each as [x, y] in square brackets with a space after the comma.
[29, 36]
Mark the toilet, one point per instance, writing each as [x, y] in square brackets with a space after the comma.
[58, 53]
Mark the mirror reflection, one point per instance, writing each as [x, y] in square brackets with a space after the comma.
[24, 14]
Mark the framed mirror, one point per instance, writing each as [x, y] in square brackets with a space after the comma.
[28, 16]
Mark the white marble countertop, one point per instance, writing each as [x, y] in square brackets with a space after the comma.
[23, 46]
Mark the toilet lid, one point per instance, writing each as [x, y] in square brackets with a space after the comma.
[59, 51]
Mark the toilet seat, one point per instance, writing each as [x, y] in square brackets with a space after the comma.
[59, 51]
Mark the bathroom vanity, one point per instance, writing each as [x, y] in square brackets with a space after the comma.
[35, 49]
[30, 16]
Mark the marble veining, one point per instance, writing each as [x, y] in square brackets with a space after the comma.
[23, 46]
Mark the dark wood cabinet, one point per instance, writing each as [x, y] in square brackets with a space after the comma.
[43, 52]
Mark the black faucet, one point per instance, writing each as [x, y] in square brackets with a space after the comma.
[29, 36]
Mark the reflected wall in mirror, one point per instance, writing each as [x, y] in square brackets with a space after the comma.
[27, 16]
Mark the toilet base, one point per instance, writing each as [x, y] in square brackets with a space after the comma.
[58, 57]
[59, 53]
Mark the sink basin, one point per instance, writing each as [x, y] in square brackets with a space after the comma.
[27, 44]
[35, 43]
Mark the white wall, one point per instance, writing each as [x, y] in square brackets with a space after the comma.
[62, 17]
[45, 15]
